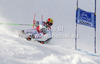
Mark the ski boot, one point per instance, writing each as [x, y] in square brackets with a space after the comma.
[29, 38]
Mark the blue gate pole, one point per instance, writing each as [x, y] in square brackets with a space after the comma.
[95, 30]
[76, 28]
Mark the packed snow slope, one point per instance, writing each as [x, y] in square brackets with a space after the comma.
[15, 50]
[63, 14]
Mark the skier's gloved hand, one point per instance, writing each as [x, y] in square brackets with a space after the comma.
[37, 23]
[44, 30]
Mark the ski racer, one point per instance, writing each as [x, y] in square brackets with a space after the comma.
[40, 29]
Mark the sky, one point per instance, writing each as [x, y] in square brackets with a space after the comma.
[22, 11]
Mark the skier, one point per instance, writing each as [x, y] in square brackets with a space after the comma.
[40, 29]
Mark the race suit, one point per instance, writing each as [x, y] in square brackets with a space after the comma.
[40, 30]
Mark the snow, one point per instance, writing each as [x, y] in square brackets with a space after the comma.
[16, 50]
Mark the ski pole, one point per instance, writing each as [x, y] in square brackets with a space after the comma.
[16, 24]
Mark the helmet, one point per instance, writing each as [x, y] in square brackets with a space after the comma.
[49, 21]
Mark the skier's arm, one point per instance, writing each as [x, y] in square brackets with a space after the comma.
[48, 32]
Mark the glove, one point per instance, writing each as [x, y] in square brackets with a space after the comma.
[43, 30]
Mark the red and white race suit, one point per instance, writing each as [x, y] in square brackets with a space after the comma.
[40, 30]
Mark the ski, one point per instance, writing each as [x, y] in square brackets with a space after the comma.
[44, 42]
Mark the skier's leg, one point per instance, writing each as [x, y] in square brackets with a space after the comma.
[29, 34]
[31, 31]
